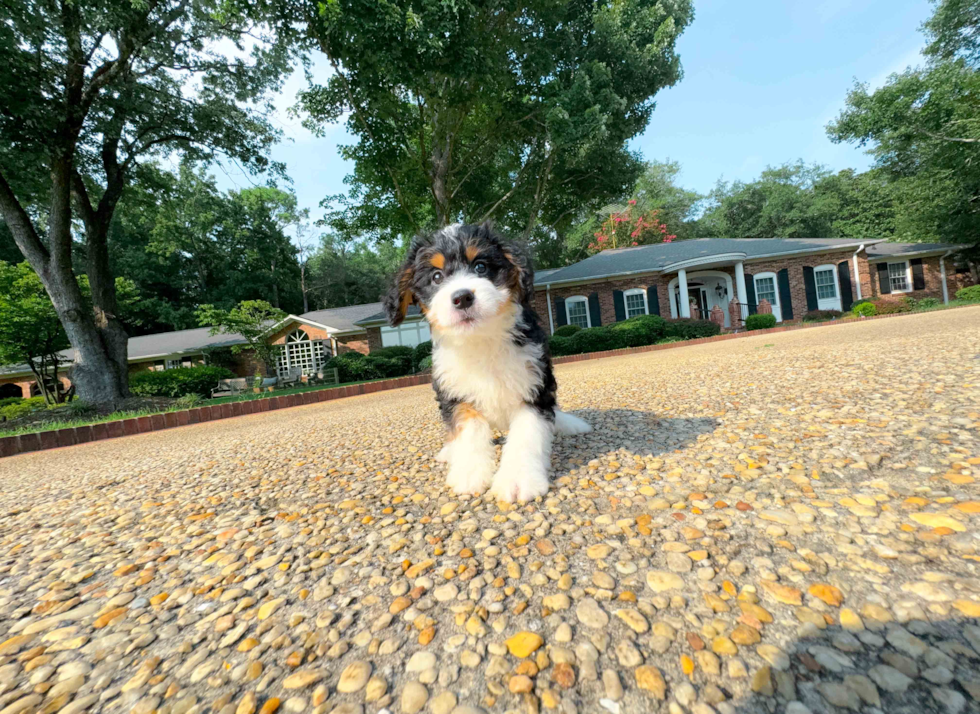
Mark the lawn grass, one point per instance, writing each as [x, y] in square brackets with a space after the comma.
[89, 420]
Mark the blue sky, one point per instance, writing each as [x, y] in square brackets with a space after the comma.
[761, 81]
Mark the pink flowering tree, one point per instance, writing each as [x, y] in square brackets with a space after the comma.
[630, 227]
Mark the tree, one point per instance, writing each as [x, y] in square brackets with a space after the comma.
[517, 112]
[923, 128]
[630, 227]
[88, 90]
[30, 330]
[251, 319]
[346, 270]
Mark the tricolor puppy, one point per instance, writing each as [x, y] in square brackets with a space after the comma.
[490, 363]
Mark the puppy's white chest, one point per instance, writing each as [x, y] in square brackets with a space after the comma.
[496, 379]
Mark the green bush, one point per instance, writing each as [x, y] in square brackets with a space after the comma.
[422, 350]
[928, 303]
[970, 294]
[640, 330]
[688, 329]
[567, 330]
[353, 367]
[760, 322]
[893, 306]
[669, 340]
[7, 401]
[178, 382]
[22, 407]
[821, 315]
[388, 367]
[188, 401]
[861, 302]
[595, 339]
[395, 351]
[560, 346]
[425, 364]
[865, 308]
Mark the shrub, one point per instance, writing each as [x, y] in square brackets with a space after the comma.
[893, 306]
[560, 346]
[928, 303]
[422, 350]
[865, 308]
[22, 407]
[595, 339]
[353, 367]
[821, 315]
[188, 401]
[860, 302]
[178, 382]
[970, 294]
[425, 364]
[7, 401]
[394, 351]
[403, 357]
[567, 330]
[640, 330]
[760, 322]
[669, 340]
[688, 329]
[388, 367]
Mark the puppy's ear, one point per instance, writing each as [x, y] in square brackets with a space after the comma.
[520, 259]
[400, 296]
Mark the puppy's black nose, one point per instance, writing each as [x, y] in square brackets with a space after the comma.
[463, 299]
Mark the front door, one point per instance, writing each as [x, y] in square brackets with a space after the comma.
[700, 297]
[828, 296]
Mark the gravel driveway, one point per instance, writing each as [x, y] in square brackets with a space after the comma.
[787, 523]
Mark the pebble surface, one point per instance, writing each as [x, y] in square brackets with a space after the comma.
[785, 523]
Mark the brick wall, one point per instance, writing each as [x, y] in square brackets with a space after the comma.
[605, 290]
[359, 343]
[932, 274]
[21, 383]
[373, 338]
[795, 267]
[315, 333]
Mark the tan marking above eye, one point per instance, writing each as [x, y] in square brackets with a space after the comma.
[438, 261]
[471, 252]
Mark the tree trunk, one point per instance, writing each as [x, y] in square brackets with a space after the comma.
[302, 287]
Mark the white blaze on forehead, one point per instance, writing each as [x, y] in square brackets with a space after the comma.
[487, 302]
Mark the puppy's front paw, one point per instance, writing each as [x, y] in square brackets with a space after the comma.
[514, 485]
[444, 453]
[469, 475]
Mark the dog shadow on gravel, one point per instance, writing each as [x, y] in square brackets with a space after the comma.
[618, 432]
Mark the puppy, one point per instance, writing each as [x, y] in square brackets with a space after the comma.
[490, 363]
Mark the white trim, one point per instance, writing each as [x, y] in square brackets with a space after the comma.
[635, 291]
[837, 297]
[705, 260]
[577, 298]
[908, 275]
[777, 307]
[551, 317]
[857, 273]
[694, 276]
[278, 325]
[942, 274]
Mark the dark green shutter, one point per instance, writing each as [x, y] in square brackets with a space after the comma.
[560, 317]
[884, 284]
[750, 294]
[594, 315]
[653, 300]
[810, 287]
[785, 295]
[918, 276]
[846, 297]
[619, 305]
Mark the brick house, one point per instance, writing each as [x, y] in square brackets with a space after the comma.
[794, 275]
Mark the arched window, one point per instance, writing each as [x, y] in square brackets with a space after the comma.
[298, 336]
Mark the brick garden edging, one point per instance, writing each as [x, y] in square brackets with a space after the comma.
[40, 441]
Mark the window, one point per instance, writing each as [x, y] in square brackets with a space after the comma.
[300, 352]
[408, 334]
[898, 277]
[577, 311]
[636, 302]
[765, 289]
[826, 284]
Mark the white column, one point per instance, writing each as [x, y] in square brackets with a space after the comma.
[685, 300]
[740, 283]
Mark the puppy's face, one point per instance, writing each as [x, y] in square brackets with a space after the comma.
[461, 277]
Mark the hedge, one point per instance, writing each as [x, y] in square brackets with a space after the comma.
[821, 315]
[865, 308]
[970, 294]
[760, 322]
[688, 329]
[567, 330]
[178, 382]
[15, 407]
[595, 339]
[422, 350]
[640, 330]
[560, 346]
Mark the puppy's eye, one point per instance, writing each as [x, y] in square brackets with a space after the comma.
[480, 268]
[437, 277]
